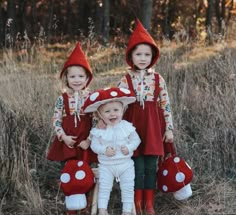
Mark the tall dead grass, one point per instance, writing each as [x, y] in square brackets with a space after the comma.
[202, 91]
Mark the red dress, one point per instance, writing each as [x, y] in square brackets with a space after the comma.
[149, 122]
[59, 151]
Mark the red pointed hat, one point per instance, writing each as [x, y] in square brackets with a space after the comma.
[77, 58]
[141, 35]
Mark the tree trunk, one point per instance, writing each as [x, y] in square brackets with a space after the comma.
[11, 23]
[209, 15]
[106, 21]
[146, 13]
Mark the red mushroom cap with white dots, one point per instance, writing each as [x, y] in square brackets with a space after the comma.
[173, 175]
[103, 96]
[77, 179]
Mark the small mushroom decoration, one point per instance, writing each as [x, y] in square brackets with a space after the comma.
[105, 95]
[174, 175]
[77, 179]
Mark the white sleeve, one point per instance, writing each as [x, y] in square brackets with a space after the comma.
[134, 141]
[97, 147]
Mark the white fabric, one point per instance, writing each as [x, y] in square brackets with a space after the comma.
[76, 202]
[121, 134]
[119, 166]
[183, 193]
[124, 173]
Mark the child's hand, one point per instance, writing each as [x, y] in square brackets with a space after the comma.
[84, 144]
[101, 124]
[124, 150]
[110, 151]
[69, 140]
[168, 136]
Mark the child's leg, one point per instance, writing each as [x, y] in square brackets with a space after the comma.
[139, 185]
[127, 187]
[105, 186]
[150, 183]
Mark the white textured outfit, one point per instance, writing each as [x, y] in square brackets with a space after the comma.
[119, 166]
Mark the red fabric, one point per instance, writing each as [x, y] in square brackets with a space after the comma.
[59, 151]
[149, 123]
[77, 184]
[167, 172]
[77, 58]
[141, 35]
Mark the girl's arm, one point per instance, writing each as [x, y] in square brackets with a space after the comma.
[123, 83]
[165, 104]
[57, 117]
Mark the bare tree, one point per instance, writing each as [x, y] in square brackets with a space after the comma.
[146, 13]
[209, 15]
[106, 21]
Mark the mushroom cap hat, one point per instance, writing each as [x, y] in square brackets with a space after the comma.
[102, 96]
[174, 175]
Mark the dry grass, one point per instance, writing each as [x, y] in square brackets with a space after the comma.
[201, 83]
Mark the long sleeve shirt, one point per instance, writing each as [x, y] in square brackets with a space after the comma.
[74, 106]
[144, 86]
[122, 134]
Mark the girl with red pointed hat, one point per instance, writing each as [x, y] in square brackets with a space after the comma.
[71, 124]
[150, 114]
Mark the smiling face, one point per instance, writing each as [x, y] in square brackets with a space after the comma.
[142, 56]
[111, 112]
[77, 78]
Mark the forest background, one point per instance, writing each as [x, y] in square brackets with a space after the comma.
[198, 52]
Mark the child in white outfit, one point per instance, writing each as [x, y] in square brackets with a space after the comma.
[114, 145]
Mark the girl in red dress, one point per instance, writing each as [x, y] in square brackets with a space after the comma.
[71, 124]
[150, 114]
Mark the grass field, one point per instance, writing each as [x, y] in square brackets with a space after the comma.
[201, 83]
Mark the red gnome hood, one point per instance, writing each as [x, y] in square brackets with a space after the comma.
[140, 35]
[77, 58]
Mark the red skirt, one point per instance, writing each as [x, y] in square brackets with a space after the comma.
[59, 151]
[150, 126]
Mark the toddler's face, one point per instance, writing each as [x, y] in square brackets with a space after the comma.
[111, 112]
[142, 56]
[77, 77]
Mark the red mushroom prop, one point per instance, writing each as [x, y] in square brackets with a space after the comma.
[174, 175]
[108, 94]
[77, 179]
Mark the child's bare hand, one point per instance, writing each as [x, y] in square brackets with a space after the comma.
[110, 151]
[101, 124]
[124, 150]
[168, 136]
[84, 144]
[69, 140]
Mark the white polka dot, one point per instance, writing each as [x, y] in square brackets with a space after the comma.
[164, 188]
[165, 172]
[80, 163]
[176, 159]
[80, 175]
[180, 177]
[113, 93]
[65, 178]
[94, 96]
[126, 91]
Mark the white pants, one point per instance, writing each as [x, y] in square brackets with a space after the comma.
[124, 174]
